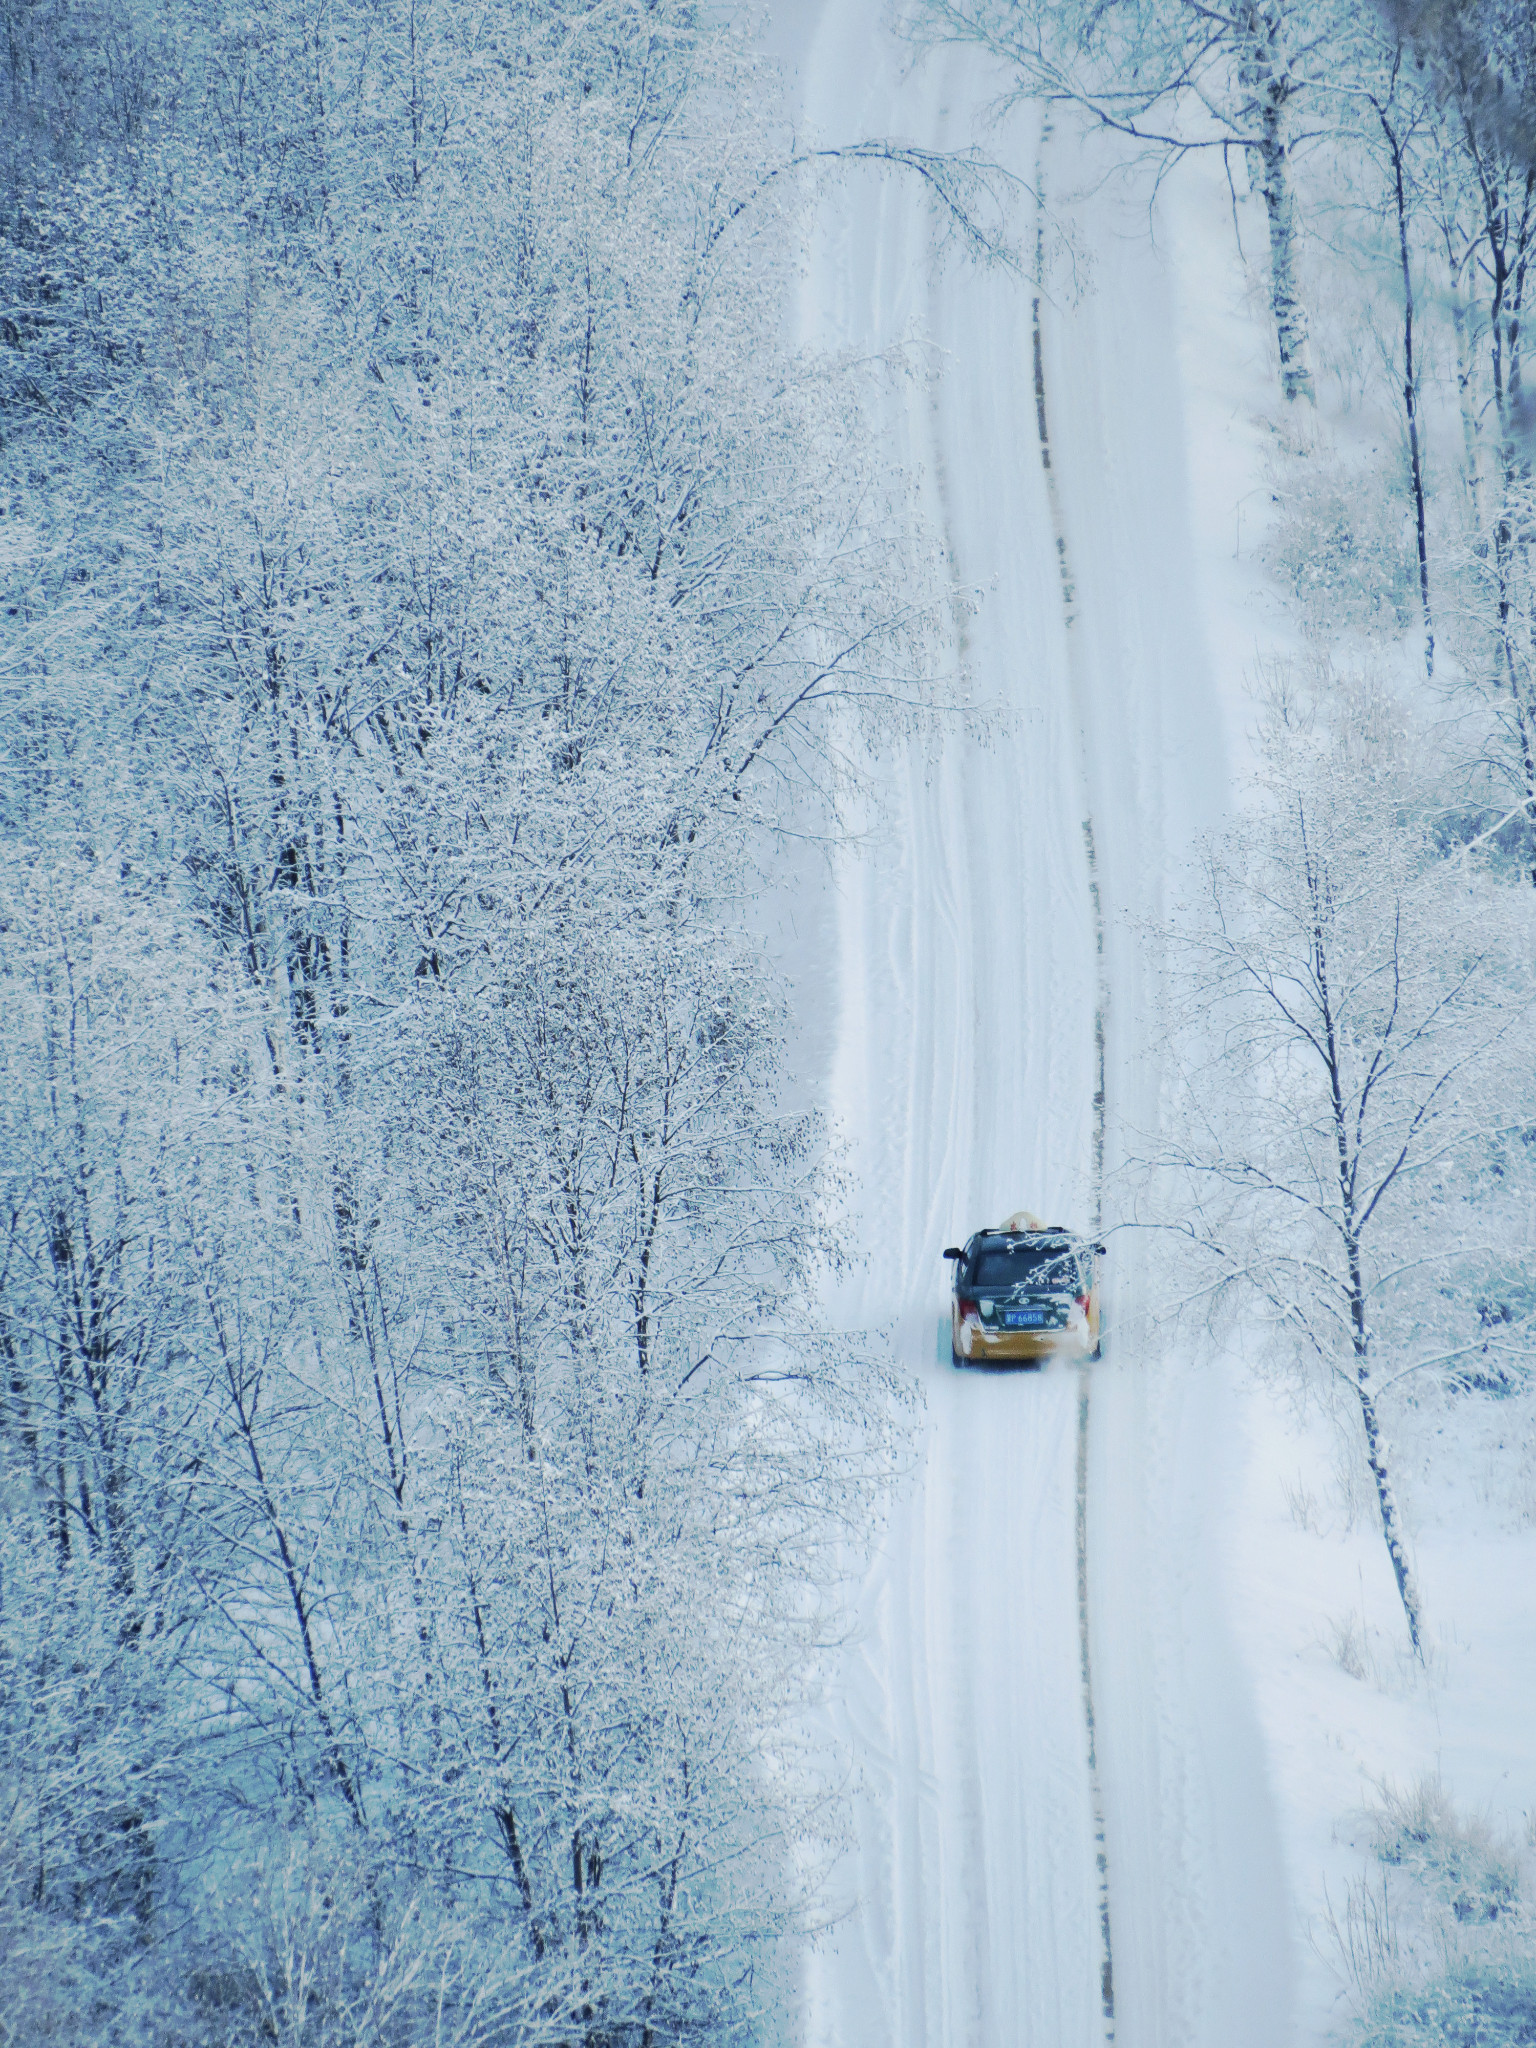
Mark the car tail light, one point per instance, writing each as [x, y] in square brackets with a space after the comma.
[969, 1312]
[1082, 1302]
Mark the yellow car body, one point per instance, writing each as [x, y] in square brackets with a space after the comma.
[1024, 1292]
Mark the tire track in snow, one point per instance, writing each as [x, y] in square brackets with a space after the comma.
[1100, 1009]
[1100, 1846]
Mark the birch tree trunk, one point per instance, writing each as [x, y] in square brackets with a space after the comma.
[1376, 1446]
[1466, 400]
[1386, 1500]
[1286, 304]
[1266, 87]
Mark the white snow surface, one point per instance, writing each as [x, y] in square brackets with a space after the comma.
[962, 976]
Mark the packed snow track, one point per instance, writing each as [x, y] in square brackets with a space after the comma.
[964, 1072]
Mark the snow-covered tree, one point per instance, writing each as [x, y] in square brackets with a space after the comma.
[1353, 1013]
[1180, 75]
[1472, 153]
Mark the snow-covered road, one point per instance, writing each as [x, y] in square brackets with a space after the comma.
[963, 1073]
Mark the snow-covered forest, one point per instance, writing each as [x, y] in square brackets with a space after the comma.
[465, 570]
[427, 581]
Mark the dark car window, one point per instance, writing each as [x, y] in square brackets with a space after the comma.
[1024, 1265]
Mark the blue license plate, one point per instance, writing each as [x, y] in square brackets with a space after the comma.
[1025, 1318]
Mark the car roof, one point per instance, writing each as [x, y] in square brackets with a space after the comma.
[1055, 1235]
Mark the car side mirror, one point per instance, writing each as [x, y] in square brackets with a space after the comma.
[1101, 1249]
[953, 1251]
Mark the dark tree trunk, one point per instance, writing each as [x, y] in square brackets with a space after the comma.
[1410, 387]
[1386, 1500]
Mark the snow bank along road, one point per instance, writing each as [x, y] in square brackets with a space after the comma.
[964, 1071]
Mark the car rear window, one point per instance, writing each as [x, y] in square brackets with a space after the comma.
[998, 1266]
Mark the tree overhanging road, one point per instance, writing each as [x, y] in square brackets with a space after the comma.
[964, 1073]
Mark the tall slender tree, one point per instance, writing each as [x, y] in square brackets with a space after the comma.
[1353, 1015]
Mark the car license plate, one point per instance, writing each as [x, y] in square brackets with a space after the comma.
[1025, 1318]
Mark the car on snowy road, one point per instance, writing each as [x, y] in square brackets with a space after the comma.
[1024, 1292]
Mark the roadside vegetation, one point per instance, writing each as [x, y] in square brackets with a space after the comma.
[1436, 1940]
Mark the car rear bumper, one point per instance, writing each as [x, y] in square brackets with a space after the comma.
[976, 1346]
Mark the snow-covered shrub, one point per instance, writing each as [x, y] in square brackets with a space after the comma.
[1475, 2004]
[1348, 1644]
[306, 1947]
[1340, 543]
[1446, 1958]
[1454, 1855]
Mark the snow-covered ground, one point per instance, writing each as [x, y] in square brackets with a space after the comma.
[1343, 1712]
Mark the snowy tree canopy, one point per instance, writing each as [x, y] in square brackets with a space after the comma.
[427, 580]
